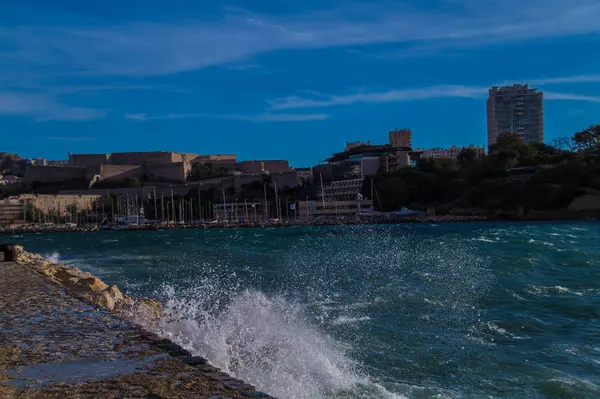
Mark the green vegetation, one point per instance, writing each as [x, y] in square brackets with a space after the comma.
[514, 175]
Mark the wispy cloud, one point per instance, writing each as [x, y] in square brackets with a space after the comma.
[136, 117]
[379, 97]
[281, 117]
[71, 138]
[155, 49]
[549, 95]
[412, 94]
[268, 117]
[566, 80]
[44, 108]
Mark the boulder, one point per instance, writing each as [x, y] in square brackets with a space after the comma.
[93, 284]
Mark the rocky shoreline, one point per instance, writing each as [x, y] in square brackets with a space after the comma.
[65, 333]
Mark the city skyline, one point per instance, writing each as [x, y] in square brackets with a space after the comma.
[275, 80]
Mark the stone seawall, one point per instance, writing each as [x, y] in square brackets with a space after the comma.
[65, 333]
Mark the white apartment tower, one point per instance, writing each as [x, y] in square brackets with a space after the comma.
[515, 109]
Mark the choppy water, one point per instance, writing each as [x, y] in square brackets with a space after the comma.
[416, 311]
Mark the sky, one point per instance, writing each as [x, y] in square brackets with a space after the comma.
[282, 79]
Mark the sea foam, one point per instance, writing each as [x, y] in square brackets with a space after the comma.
[265, 340]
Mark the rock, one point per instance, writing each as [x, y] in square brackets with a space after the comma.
[194, 360]
[114, 292]
[149, 309]
[95, 284]
[49, 271]
[109, 298]
[105, 300]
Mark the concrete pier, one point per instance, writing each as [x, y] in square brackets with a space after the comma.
[53, 345]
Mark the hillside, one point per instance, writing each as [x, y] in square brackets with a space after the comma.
[12, 164]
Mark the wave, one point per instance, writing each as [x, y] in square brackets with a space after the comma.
[558, 289]
[265, 340]
[349, 320]
[54, 257]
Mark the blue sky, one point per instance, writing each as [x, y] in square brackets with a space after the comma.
[283, 79]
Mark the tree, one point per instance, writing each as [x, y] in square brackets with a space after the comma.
[564, 144]
[588, 139]
[466, 156]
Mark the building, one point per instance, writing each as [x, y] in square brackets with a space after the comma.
[272, 166]
[515, 109]
[144, 158]
[39, 161]
[148, 158]
[216, 158]
[46, 208]
[85, 160]
[343, 190]
[58, 163]
[12, 211]
[360, 162]
[305, 176]
[355, 144]
[309, 210]
[451, 152]
[401, 138]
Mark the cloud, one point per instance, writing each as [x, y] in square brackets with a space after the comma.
[268, 117]
[569, 96]
[282, 117]
[380, 97]
[136, 117]
[157, 49]
[44, 108]
[71, 138]
[413, 94]
[565, 80]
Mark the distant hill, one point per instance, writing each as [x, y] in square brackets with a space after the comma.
[13, 164]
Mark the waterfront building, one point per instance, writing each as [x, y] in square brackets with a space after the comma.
[12, 211]
[39, 161]
[257, 166]
[310, 210]
[451, 152]
[515, 109]
[343, 190]
[356, 144]
[400, 138]
[305, 176]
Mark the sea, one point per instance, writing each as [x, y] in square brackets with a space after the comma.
[456, 310]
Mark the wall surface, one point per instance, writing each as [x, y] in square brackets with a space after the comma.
[53, 174]
[88, 159]
[168, 172]
[273, 166]
[115, 172]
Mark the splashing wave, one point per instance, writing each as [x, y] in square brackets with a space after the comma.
[265, 340]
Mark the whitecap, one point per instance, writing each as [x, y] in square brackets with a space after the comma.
[265, 340]
[54, 257]
[349, 320]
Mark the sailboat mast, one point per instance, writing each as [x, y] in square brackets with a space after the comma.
[322, 192]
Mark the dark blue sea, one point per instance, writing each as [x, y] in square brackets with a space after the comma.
[473, 310]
